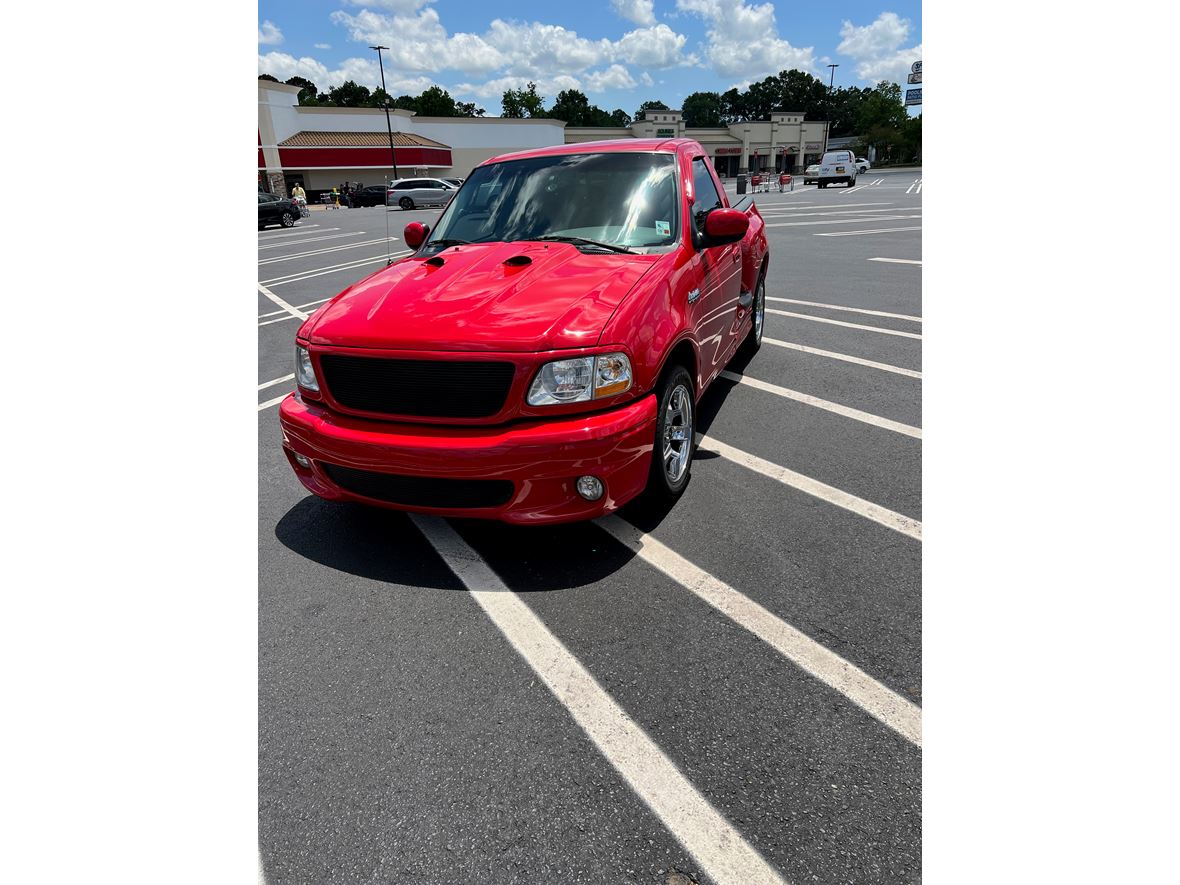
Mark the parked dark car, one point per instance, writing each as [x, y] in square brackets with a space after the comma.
[273, 209]
[373, 195]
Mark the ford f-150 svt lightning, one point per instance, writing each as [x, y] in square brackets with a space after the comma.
[540, 356]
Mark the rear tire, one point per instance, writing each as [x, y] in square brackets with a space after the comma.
[675, 442]
[406, 203]
[852, 182]
[288, 219]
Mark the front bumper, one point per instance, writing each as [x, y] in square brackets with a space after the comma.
[541, 458]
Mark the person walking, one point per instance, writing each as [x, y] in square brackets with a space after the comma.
[298, 193]
[335, 197]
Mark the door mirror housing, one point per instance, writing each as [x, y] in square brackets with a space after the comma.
[724, 226]
[415, 234]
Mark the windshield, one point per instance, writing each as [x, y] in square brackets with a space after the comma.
[620, 198]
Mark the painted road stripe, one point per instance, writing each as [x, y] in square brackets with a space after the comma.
[807, 316]
[905, 525]
[299, 273]
[324, 251]
[263, 316]
[898, 261]
[281, 303]
[315, 239]
[841, 212]
[884, 705]
[336, 268]
[843, 357]
[272, 402]
[847, 221]
[275, 234]
[724, 856]
[857, 233]
[876, 313]
[790, 210]
[827, 406]
[267, 384]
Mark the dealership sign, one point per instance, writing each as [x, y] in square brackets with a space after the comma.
[722, 151]
[813, 146]
[913, 96]
[665, 133]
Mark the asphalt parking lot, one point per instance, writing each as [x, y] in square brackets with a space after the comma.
[727, 690]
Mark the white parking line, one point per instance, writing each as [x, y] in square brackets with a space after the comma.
[883, 704]
[712, 841]
[281, 303]
[334, 268]
[273, 313]
[315, 239]
[324, 251]
[828, 406]
[899, 523]
[790, 210]
[816, 211]
[876, 313]
[814, 319]
[266, 384]
[898, 261]
[846, 221]
[857, 233]
[843, 357]
[271, 234]
[272, 402]
[916, 183]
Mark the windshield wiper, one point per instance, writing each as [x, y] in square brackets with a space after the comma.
[445, 243]
[582, 241]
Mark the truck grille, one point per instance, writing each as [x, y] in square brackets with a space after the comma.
[421, 491]
[424, 388]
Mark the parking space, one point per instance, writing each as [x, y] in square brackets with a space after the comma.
[724, 691]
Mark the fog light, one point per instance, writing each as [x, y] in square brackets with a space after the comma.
[590, 487]
[302, 460]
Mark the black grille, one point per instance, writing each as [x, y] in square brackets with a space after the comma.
[426, 388]
[421, 491]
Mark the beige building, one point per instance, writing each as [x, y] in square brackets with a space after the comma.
[784, 143]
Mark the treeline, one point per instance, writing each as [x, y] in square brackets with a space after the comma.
[570, 105]
[433, 102]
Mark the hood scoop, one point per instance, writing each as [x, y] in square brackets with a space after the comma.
[518, 261]
[436, 261]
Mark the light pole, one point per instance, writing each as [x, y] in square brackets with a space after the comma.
[828, 124]
[388, 126]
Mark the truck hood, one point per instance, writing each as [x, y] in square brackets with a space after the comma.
[524, 297]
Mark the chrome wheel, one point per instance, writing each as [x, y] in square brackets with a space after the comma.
[677, 433]
[759, 310]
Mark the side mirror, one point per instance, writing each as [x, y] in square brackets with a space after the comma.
[415, 233]
[724, 226]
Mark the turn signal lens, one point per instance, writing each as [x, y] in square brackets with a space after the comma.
[612, 375]
[580, 379]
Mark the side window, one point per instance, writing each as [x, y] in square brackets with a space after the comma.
[704, 191]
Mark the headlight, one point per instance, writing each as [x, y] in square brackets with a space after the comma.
[580, 379]
[304, 373]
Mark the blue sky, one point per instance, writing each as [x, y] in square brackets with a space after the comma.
[619, 52]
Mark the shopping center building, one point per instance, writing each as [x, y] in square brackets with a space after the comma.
[323, 147]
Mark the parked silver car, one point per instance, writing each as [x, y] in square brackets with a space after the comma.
[410, 193]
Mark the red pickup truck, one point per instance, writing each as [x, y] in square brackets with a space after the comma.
[539, 358]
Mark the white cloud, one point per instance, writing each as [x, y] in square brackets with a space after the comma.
[547, 87]
[403, 7]
[878, 48]
[269, 34]
[614, 77]
[323, 45]
[638, 11]
[658, 47]
[360, 70]
[645, 79]
[743, 39]
[420, 42]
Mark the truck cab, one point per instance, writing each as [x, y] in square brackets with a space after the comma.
[540, 356]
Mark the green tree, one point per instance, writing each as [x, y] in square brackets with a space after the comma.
[436, 102]
[650, 106]
[406, 103]
[703, 109]
[307, 90]
[379, 98]
[619, 117]
[268, 77]
[468, 109]
[349, 95]
[518, 103]
[573, 107]
[733, 107]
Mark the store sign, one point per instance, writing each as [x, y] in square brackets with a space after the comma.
[727, 151]
[916, 68]
[913, 96]
[665, 133]
[813, 146]
[914, 78]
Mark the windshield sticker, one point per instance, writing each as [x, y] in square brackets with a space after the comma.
[663, 229]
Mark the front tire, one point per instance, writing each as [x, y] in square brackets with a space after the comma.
[288, 219]
[406, 203]
[675, 440]
[753, 339]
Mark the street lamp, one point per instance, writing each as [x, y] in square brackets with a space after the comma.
[388, 126]
[828, 124]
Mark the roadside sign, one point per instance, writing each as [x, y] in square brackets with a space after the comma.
[916, 68]
[914, 78]
[913, 96]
